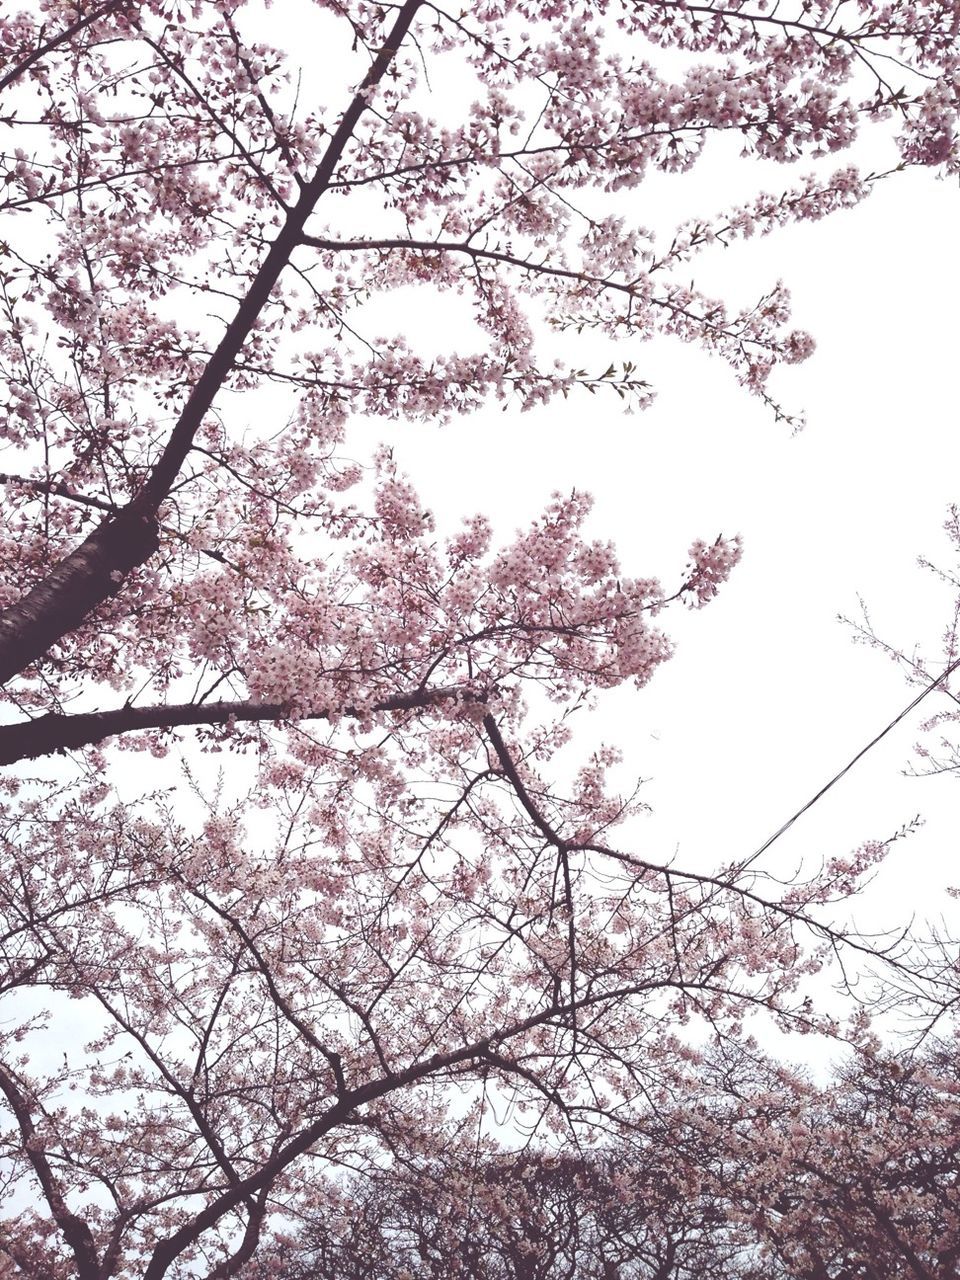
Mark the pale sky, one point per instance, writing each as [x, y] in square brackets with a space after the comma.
[767, 697]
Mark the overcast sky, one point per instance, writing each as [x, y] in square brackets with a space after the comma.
[767, 697]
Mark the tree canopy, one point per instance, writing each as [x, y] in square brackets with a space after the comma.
[410, 904]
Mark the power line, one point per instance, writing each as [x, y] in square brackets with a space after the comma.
[847, 767]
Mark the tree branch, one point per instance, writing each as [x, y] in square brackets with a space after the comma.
[54, 42]
[74, 1230]
[93, 572]
[535, 268]
[55, 732]
[470, 251]
[75, 587]
[167, 1251]
[523, 795]
[562, 846]
[57, 489]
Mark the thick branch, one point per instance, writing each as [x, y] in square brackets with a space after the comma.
[248, 1245]
[291, 235]
[56, 42]
[549, 832]
[92, 573]
[74, 1230]
[54, 732]
[76, 586]
[523, 795]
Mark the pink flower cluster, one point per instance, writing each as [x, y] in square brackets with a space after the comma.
[711, 565]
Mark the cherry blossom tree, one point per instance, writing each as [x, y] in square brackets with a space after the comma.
[862, 1180]
[638, 1212]
[404, 892]
[778, 1179]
